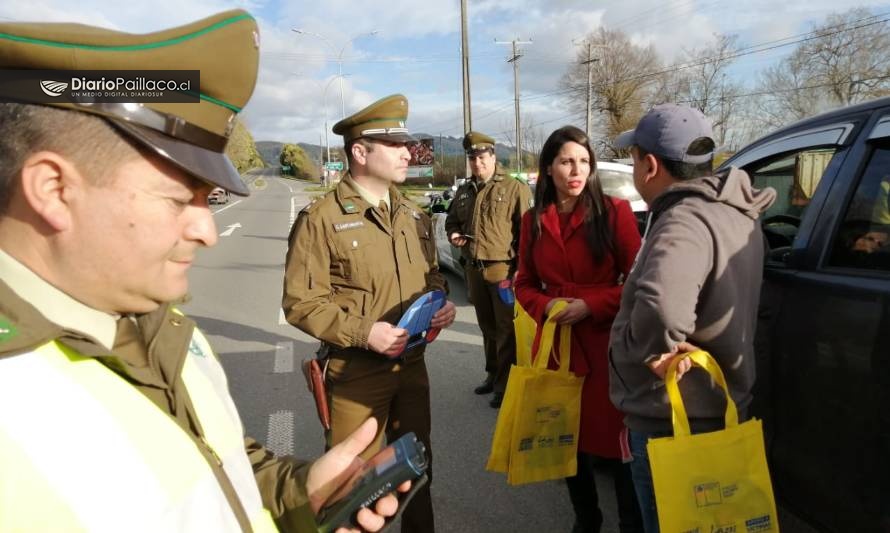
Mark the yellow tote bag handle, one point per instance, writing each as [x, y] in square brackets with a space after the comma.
[680, 419]
[548, 332]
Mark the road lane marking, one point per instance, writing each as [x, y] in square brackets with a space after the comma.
[233, 204]
[284, 357]
[280, 437]
[293, 209]
[294, 332]
[232, 228]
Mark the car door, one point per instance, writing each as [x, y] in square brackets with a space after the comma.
[825, 320]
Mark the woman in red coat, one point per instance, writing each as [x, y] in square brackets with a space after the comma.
[578, 245]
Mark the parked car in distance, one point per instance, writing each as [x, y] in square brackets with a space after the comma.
[218, 196]
[823, 334]
[616, 179]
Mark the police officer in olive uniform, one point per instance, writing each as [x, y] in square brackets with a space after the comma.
[116, 414]
[358, 258]
[484, 221]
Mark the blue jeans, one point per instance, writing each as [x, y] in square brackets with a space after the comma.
[641, 473]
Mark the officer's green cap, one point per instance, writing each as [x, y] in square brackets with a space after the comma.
[475, 142]
[384, 119]
[224, 47]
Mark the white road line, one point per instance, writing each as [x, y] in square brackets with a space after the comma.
[284, 357]
[294, 332]
[280, 438]
[233, 204]
[293, 209]
[231, 229]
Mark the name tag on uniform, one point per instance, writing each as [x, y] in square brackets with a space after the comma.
[343, 226]
[463, 196]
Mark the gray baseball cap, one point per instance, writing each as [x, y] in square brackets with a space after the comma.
[668, 130]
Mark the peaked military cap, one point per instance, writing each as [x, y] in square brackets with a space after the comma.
[475, 141]
[384, 119]
[193, 136]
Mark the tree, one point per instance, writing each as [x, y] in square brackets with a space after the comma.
[624, 79]
[699, 80]
[843, 61]
[301, 164]
[242, 150]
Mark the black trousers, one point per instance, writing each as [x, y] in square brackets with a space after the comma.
[585, 501]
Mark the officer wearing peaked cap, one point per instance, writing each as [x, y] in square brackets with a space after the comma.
[358, 258]
[103, 207]
[484, 221]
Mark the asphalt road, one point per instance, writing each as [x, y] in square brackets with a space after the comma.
[236, 294]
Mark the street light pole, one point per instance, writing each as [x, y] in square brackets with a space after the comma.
[339, 56]
[325, 106]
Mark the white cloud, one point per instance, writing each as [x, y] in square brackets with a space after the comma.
[417, 49]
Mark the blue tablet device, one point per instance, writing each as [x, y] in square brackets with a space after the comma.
[417, 318]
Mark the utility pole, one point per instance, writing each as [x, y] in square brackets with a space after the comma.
[465, 62]
[589, 62]
[515, 60]
[465, 76]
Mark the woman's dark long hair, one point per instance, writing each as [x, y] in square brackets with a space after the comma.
[596, 207]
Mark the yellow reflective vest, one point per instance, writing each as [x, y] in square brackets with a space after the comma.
[94, 454]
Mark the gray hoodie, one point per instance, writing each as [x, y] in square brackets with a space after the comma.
[697, 279]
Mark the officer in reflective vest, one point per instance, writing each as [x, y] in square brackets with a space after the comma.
[116, 412]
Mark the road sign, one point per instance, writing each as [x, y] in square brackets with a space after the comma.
[334, 165]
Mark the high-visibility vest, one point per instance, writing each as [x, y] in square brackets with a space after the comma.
[83, 450]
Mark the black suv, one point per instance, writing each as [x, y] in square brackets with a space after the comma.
[823, 339]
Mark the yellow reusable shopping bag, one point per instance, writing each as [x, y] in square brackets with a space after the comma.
[717, 481]
[499, 457]
[536, 438]
[524, 327]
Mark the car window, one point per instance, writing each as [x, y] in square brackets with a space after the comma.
[618, 184]
[863, 239]
[795, 176]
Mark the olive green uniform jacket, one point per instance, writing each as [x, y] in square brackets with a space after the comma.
[349, 265]
[282, 481]
[491, 212]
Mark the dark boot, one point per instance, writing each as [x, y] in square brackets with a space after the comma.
[584, 498]
[496, 399]
[487, 386]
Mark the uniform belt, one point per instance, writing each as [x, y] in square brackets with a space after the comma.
[482, 263]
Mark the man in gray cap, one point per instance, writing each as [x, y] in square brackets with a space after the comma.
[117, 415]
[696, 283]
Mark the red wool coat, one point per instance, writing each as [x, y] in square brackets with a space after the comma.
[563, 266]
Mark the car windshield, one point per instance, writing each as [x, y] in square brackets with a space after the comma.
[619, 184]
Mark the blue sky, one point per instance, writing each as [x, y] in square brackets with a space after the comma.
[417, 50]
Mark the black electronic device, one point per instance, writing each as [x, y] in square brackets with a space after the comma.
[403, 460]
